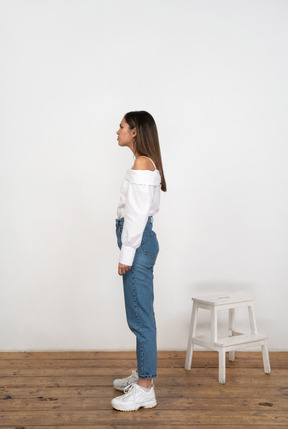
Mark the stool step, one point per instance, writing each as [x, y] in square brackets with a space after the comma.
[239, 339]
[221, 300]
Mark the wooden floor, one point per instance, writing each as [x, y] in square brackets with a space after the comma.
[74, 390]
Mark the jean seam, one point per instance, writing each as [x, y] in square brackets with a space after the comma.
[138, 318]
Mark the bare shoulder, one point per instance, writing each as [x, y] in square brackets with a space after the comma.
[142, 163]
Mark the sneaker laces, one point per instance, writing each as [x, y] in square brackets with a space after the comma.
[129, 388]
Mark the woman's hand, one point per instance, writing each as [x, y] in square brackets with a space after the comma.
[122, 269]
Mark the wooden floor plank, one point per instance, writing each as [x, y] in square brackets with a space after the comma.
[131, 363]
[151, 426]
[215, 391]
[123, 372]
[163, 417]
[184, 402]
[192, 379]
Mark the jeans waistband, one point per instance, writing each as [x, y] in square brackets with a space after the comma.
[121, 221]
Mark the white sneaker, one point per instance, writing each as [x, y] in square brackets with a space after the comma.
[134, 398]
[122, 383]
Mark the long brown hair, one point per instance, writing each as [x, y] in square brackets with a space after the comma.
[146, 140]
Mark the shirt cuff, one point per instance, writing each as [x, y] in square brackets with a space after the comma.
[127, 254]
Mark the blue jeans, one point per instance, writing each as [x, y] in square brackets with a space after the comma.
[139, 298]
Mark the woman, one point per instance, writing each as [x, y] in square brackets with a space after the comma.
[139, 202]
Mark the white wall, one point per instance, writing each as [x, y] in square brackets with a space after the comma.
[214, 75]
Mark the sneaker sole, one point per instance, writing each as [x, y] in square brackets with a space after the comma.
[151, 405]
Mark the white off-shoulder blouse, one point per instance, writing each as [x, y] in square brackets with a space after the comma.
[139, 199]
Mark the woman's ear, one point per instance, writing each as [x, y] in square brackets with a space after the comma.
[133, 132]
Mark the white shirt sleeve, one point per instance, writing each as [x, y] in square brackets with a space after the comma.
[138, 202]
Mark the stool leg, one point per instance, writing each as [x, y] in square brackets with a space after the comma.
[192, 331]
[214, 325]
[222, 369]
[265, 356]
[231, 328]
[252, 319]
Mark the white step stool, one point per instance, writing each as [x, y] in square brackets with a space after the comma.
[226, 344]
